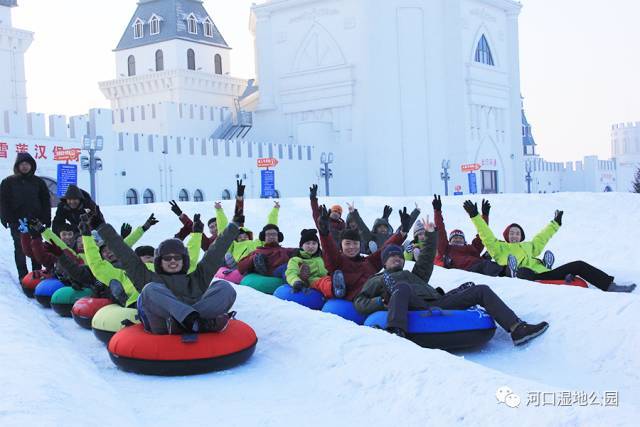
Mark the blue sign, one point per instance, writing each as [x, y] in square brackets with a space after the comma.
[458, 193]
[67, 175]
[268, 187]
[473, 186]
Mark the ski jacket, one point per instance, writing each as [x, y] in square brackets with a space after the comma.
[462, 257]
[315, 263]
[24, 196]
[275, 255]
[65, 213]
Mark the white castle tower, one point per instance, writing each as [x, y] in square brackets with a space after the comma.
[13, 45]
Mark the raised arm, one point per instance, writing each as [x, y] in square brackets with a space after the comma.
[214, 257]
[273, 215]
[194, 245]
[330, 252]
[423, 267]
[542, 238]
[51, 237]
[313, 198]
[365, 233]
[443, 240]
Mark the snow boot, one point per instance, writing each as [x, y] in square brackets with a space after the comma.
[397, 331]
[621, 288]
[548, 259]
[512, 263]
[525, 332]
[569, 278]
[117, 293]
[218, 323]
[260, 264]
[338, 285]
[298, 285]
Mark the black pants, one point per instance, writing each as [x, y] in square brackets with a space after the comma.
[576, 268]
[488, 268]
[404, 299]
[20, 258]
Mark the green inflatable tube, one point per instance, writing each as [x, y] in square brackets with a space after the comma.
[264, 284]
[63, 299]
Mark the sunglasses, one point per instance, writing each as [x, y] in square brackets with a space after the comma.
[169, 258]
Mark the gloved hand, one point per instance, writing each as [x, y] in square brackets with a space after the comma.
[175, 208]
[298, 286]
[437, 203]
[230, 262]
[305, 272]
[558, 217]
[96, 219]
[23, 226]
[471, 208]
[198, 225]
[150, 222]
[386, 212]
[486, 207]
[36, 226]
[405, 220]
[240, 188]
[313, 191]
[238, 219]
[83, 226]
[125, 230]
[323, 221]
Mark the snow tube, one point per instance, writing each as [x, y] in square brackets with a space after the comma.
[444, 329]
[311, 298]
[45, 290]
[63, 299]
[234, 276]
[110, 319]
[576, 282]
[344, 309]
[264, 284]
[135, 350]
[31, 280]
[85, 308]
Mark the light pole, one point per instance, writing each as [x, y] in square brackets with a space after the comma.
[325, 171]
[444, 175]
[528, 176]
[92, 163]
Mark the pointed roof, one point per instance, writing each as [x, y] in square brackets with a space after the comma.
[173, 15]
[527, 135]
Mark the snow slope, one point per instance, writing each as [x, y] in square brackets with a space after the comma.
[313, 368]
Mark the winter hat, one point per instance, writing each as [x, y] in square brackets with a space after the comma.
[73, 192]
[382, 221]
[212, 220]
[145, 251]
[390, 250]
[245, 230]
[67, 227]
[456, 233]
[418, 228]
[349, 234]
[308, 235]
[24, 157]
[337, 209]
[505, 233]
[171, 246]
[271, 227]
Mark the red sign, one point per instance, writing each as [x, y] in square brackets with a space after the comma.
[66, 155]
[472, 167]
[268, 162]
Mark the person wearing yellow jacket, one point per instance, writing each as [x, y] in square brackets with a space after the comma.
[306, 267]
[522, 257]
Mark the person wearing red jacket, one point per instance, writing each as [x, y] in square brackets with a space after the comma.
[347, 268]
[454, 252]
[336, 223]
[270, 259]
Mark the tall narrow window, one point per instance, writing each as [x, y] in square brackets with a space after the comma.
[154, 23]
[183, 196]
[483, 52]
[131, 65]
[148, 196]
[138, 29]
[198, 196]
[208, 28]
[159, 60]
[191, 59]
[132, 197]
[192, 24]
[217, 60]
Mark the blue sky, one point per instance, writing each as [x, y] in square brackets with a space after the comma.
[579, 71]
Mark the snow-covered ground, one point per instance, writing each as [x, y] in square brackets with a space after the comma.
[312, 368]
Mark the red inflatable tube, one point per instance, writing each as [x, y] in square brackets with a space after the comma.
[576, 282]
[85, 308]
[31, 280]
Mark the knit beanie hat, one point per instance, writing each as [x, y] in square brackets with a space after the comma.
[145, 251]
[456, 233]
[418, 228]
[308, 235]
[337, 209]
[349, 234]
[211, 220]
[390, 250]
[171, 246]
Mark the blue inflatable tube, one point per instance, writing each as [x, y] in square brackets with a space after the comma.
[344, 309]
[45, 290]
[443, 329]
[310, 298]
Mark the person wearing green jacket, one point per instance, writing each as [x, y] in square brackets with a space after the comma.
[522, 256]
[306, 267]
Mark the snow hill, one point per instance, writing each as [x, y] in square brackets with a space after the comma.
[312, 368]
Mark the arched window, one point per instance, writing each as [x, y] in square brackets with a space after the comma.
[148, 197]
[138, 29]
[192, 24]
[159, 60]
[154, 24]
[208, 28]
[218, 63]
[191, 59]
[483, 52]
[226, 195]
[131, 65]
[132, 197]
[198, 196]
[183, 196]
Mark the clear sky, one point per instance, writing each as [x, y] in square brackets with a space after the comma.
[580, 70]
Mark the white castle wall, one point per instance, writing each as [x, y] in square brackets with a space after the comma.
[625, 148]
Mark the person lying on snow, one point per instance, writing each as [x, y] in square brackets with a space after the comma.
[454, 252]
[521, 257]
[399, 291]
[71, 206]
[336, 223]
[381, 230]
[270, 259]
[172, 300]
[306, 268]
[349, 270]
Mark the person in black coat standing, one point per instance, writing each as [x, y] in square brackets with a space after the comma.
[23, 195]
[71, 206]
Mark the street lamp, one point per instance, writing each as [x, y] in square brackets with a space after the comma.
[444, 175]
[325, 171]
[528, 176]
[92, 163]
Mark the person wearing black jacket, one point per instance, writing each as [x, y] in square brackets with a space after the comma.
[23, 195]
[71, 206]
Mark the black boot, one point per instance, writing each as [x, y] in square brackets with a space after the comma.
[338, 285]
[260, 264]
[217, 324]
[118, 295]
[524, 332]
[191, 323]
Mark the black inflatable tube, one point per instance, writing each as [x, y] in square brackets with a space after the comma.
[84, 322]
[453, 340]
[63, 310]
[104, 336]
[28, 291]
[45, 301]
